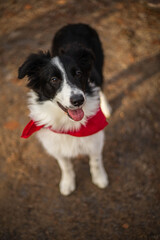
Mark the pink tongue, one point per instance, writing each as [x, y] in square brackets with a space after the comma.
[76, 115]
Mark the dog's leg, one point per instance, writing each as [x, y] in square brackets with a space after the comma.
[98, 173]
[67, 183]
[105, 106]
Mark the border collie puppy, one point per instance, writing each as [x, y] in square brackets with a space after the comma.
[64, 101]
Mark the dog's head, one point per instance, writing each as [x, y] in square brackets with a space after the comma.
[63, 79]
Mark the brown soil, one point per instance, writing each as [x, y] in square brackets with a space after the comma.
[31, 207]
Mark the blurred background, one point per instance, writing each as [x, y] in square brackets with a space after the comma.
[31, 206]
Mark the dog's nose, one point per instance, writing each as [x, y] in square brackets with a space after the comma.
[77, 100]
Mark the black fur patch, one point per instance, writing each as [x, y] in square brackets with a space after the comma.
[40, 72]
[78, 61]
[81, 35]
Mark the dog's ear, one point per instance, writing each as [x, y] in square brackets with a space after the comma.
[85, 59]
[33, 63]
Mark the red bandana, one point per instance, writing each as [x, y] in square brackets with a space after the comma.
[94, 124]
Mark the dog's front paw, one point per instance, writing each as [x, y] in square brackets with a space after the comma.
[100, 179]
[67, 185]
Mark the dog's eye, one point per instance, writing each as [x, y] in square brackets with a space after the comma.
[54, 80]
[78, 73]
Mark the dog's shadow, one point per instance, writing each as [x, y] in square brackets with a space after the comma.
[132, 77]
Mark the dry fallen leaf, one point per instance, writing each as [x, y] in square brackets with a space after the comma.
[27, 7]
[61, 2]
[11, 125]
[125, 225]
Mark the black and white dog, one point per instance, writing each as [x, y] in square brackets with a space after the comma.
[65, 94]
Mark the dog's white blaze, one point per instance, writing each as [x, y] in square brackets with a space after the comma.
[64, 95]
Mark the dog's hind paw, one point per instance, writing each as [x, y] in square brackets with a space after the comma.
[67, 186]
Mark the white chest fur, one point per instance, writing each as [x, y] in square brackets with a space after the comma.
[63, 145]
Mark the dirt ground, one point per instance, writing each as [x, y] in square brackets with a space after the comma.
[31, 207]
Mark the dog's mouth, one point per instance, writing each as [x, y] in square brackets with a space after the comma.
[74, 114]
